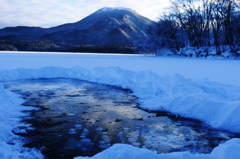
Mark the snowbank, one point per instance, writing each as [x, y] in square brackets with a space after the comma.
[222, 71]
[10, 111]
[216, 104]
[229, 150]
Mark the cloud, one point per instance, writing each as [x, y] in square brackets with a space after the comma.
[48, 13]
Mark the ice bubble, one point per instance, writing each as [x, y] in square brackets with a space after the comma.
[83, 134]
[102, 142]
[72, 131]
[85, 142]
[99, 129]
[71, 114]
[103, 146]
[120, 133]
[105, 137]
[86, 131]
[84, 149]
[78, 126]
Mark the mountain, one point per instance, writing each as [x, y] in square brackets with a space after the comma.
[103, 28]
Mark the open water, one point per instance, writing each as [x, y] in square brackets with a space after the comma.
[80, 118]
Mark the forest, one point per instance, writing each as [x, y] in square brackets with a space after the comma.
[197, 24]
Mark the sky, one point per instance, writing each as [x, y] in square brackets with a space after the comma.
[48, 13]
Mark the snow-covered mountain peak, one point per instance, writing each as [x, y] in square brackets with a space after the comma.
[107, 26]
[106, 9]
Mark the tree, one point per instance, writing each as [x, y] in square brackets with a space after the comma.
[171, 35]
[198, 23]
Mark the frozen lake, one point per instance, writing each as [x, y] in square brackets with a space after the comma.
[80, 118]
[218, 70]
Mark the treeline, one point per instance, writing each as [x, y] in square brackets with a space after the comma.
[197, 23]
[51, 46]
[125, 49]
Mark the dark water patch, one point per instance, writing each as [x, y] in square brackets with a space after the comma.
[79, 118]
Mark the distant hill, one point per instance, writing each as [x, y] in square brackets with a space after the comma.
[106, 30]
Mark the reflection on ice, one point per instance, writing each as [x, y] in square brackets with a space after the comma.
[87, 118]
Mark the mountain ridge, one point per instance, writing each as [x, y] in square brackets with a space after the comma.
[106, 26]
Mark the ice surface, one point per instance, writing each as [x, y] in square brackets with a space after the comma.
[153, 80]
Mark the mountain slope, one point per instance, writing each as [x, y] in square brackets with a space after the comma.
[107, 26]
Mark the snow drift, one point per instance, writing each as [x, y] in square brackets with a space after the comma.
[10, 111]
[229, 150]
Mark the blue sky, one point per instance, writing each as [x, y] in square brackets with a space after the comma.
[48, 13]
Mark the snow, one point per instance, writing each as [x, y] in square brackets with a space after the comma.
[229, 150]
[10, 111]
[106, 9]
[203, 89]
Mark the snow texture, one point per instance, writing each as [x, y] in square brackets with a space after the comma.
[106, 9]
[229, 150]
[10, 111]
[217, 104]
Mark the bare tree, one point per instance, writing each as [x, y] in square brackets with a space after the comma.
[200, 23]
[192, 20]
[171, 34]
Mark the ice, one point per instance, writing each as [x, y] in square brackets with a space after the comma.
[82, 136]
[78, 126]
[104, 146]
[99, 129]
[85, 142]
[187, 97]
[71, 114]
[202, 89]
[85, 131]
[102, 142]
[72, 131]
